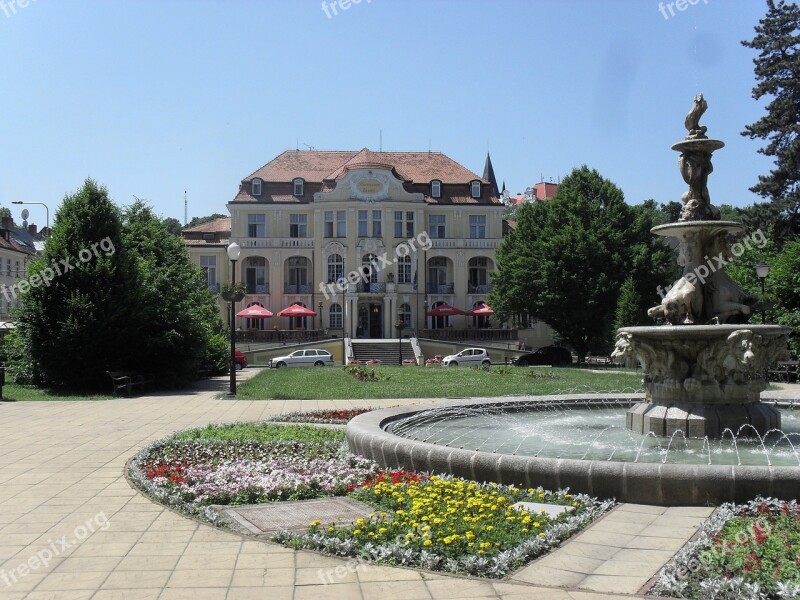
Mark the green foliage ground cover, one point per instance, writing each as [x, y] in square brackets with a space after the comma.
[429, 382]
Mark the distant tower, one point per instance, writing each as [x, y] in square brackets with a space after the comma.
[488, 175]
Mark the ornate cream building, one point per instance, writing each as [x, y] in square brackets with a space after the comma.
[363, 238]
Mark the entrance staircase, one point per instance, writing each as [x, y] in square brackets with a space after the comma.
[386, 351]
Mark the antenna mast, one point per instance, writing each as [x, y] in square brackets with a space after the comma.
[185, 209]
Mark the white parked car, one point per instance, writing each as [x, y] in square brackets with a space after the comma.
[470, 356]
[303, 358]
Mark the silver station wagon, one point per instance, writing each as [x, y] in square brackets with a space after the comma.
[303, 358]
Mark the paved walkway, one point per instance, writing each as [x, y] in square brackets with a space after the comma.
[72, 528]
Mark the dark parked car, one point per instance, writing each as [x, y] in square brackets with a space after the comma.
[549, 355]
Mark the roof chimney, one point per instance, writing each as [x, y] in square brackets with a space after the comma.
[8, 223]
[32, 229]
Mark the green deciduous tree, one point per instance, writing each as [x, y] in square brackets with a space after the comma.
[173, 225]
[568, 258]
[782, 286]
[81, 318]
[777, 70]
[179, 313]
[201, 220]
[115, 292]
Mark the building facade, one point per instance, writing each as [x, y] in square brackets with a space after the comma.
[17, 248]
[366, 239]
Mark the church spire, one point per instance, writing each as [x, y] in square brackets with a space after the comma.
[488, 175]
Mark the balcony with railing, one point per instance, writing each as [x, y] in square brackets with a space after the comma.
[370, 288]
[439, 288]
[265, 242]
[479, 289]
[261, 289]
[297, 288]
[470, 334]
[482, 243]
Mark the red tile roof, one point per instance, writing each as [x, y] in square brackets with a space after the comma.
[222, 225]
[316, 165]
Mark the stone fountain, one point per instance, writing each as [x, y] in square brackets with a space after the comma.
[704, 370]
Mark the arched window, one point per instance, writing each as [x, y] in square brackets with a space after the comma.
[404, 312]
[335, 268]
[478, 275]
[369, 268]
[255, 275]
[335, 316]
[437, 275]
[298, 184]
[257, 186]
[436, 189]
[297, 275]
[404, 269]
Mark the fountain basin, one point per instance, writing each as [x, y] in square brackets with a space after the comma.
[647, 483]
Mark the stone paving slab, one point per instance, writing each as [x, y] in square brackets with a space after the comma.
[621, 552]
[261, 519]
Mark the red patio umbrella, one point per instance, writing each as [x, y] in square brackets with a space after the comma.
[484, 310]
[255, 312]
[296, 310]
[445, 310]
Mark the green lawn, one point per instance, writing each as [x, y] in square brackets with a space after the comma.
[22, 393]
[429, 382]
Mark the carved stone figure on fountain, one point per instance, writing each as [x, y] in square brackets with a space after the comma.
[726, 302]
[695, 166]
[692, 121]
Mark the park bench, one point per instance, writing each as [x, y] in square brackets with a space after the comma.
[785, 371]
[128, 381]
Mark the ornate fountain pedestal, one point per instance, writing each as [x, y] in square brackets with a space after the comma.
[705, 369]
[703, 379]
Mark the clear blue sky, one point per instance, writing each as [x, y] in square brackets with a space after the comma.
[154, 97]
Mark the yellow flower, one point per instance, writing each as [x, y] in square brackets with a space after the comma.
[427, 543]
[331, 529]
[356, 531]
[315, 522]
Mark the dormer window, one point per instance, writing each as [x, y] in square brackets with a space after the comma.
[257, 186]
[476, 189]
[436, 189]
[298, 185]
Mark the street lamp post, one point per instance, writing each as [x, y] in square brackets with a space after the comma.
[321, 326]
[762, 270]
[40, 204]
[425, 316]
[233, 255]
[399, 324]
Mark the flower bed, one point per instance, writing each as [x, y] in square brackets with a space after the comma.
[448, 523]
[437, 522]
[190, 475]
[744, 551]
[329, 416]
